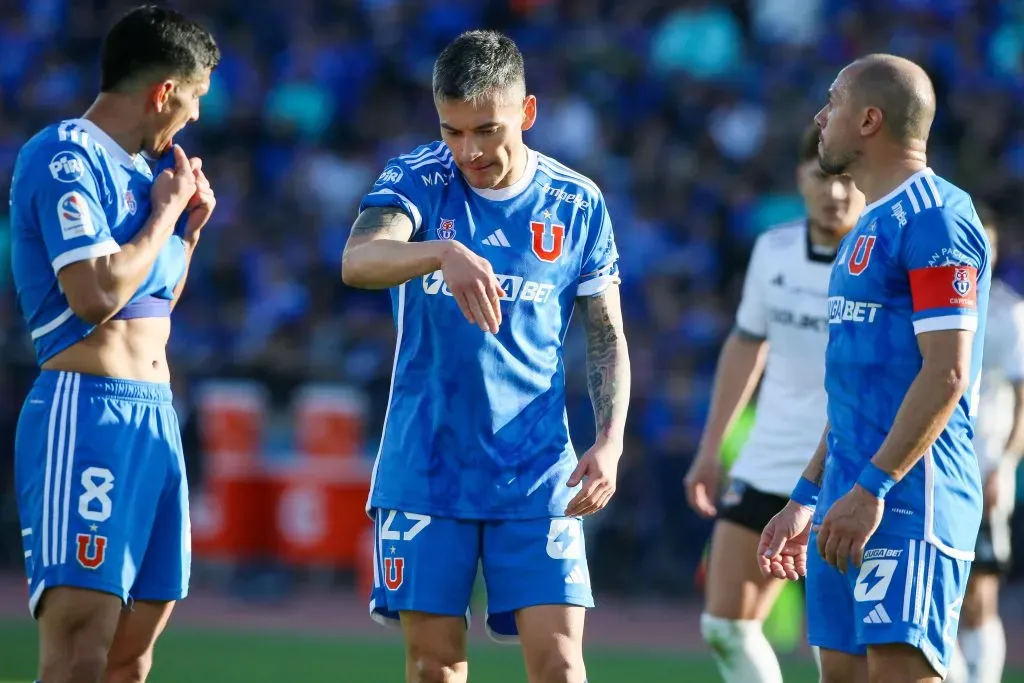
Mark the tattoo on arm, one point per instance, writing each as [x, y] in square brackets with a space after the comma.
[385, 222]
[608, 374]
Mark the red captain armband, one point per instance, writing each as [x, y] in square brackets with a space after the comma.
[944, 287]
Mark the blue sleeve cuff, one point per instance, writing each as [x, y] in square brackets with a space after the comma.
[875, 480]
[805, 493]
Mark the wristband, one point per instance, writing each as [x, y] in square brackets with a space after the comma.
[805, 493]
[875, 481]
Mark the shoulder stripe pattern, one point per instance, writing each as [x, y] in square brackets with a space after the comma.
[437, 153]
[923, 193]
[563, 173]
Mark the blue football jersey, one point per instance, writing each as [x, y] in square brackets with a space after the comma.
[917, 261]
[75, 195]
[475, 426]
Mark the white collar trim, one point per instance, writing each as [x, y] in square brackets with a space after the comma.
[516, 188]
[115, 150]
[898, 191]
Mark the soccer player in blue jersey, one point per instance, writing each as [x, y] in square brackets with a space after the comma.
[885, 518]
[487, 247]
[100, 248]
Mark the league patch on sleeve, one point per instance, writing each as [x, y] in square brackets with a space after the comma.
[74, 217]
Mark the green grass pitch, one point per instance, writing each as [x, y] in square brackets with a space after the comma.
[222, 657]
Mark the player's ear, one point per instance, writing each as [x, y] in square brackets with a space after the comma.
[529, 111]
[160, 94]
[871, 121]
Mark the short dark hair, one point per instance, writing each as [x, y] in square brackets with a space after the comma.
[154, 42]
[809, 144]
[478, 63]
[902, 90]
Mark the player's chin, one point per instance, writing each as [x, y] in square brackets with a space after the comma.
[482, 178]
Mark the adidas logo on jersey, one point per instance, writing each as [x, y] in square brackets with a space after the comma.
[877, 615]
[497, 239]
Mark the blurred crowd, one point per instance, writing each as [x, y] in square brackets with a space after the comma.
[685, 112]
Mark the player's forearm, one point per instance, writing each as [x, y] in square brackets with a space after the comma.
[608, 370]
[815, 470]
[120, 275]
[739, 368]
[1014, 449]
[383, 263]
[923, 415]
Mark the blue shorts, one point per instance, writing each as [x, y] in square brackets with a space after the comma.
[906, 591]
[101, 488]
[429, 564]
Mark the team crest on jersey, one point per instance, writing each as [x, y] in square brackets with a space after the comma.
[861, 255]
[962, 281]
[129, 201]
[446, 230]
[548, 240]
[91, 550]
[394, 572]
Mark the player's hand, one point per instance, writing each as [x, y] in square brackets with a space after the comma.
[200, 207]
[174, 187]
[597, 471]
[782, 551]
[702, 482]
[471, 281]
[849, 524]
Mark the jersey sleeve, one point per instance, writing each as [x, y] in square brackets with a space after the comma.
[600, 267]
[396, 187]
[752, 314]
[943, 254]
[65, 197]
[1014, 368]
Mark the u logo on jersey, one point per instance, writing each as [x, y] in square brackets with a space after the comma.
[547, 246]
[91, 550]
[394, 572]
[861, 256]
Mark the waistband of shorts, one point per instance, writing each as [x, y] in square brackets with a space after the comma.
[105, 387]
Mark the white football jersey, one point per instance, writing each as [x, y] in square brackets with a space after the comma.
[785, 301]
[1002, 366]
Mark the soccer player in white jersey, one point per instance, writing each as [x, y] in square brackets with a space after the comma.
[999, 442]
[781, 330]
[475, 466]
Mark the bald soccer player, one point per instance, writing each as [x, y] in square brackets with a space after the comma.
[884, 521]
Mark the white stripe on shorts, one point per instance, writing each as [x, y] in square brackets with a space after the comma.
[48, 476]
[69, 466]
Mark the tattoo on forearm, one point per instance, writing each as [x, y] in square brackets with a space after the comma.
[607, 359]
[387, 221]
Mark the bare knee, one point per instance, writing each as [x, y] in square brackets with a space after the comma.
[435, 648]
[428, 668]
[76, 628]
[558, 665]
[132, 670]
[552, 640]
[437, 660]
